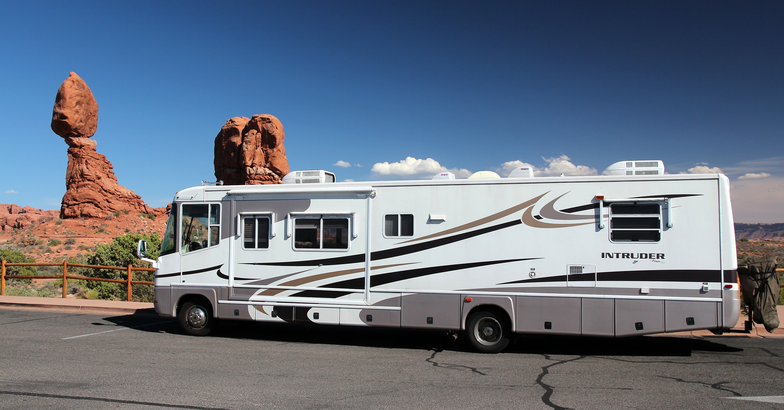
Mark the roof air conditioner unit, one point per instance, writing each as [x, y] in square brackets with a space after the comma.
[521, 172]
[653, 167]
[444, 175]
[309, 177]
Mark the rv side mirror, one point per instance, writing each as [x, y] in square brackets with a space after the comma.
[141, 249]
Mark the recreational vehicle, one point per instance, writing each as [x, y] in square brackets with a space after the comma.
[631, 252]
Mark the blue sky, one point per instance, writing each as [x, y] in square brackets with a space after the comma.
[361, 86]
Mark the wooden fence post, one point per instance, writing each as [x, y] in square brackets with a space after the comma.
[2, 279]
[130, 274]
[65, 278]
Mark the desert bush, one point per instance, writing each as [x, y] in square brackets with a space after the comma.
[120, 253]
[47, 289]
[13, 256]
[31, 240]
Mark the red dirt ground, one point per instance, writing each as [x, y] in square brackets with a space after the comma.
[77, 237]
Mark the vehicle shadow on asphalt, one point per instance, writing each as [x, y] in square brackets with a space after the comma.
[432, 339]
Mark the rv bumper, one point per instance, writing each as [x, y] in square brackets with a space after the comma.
[162, 302]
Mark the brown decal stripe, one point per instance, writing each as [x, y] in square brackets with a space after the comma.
[391, 253]
[635, 276]
[190, 272]
[548, 211]
[386, 278]
[484, 220]
[322, 276]
[529, 220]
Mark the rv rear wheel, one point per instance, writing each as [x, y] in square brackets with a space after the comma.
[487, 332]
[195, 318]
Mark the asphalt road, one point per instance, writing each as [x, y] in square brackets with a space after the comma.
[59, 359]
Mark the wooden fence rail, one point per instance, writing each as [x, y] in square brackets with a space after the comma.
[129, 282]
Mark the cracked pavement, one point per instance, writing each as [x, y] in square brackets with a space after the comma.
[85, 361]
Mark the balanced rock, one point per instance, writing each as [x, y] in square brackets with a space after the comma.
[251, 151]
[75, 113]
[92, 189]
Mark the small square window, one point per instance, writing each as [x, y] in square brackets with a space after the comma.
[398, 225]
[255, 232]
[321, 233]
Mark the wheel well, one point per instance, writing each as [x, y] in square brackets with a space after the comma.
[195, 299]
[494, 309]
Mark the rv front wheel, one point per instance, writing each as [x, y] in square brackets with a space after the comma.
[195, 319]
[487, 332]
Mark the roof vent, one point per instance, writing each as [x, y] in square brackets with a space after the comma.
[484, 175]
[444, 175]
[309, 177]
[522, 172]
[653, 167]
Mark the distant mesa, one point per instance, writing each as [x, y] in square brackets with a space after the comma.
[773, 232]
[92, 189]
[250, 151]
[16, 217]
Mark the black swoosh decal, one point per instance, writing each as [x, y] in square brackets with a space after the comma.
[386, 278]
[391, 253]
[640, 275]
[190, 272]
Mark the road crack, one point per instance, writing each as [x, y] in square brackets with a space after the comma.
[450, 366]
[716, 386]
[548, 389]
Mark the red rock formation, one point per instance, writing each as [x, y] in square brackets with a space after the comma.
[251, 151]
[92, 189]
[15, 217]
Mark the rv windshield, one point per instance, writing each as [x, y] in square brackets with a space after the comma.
[168, 242]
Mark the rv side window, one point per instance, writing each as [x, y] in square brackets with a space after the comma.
[255, 232]
[399, 225]
[200, 227]
[635, 222]
[321, 233]
[169, 243]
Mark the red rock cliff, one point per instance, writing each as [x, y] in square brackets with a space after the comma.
[92, 189]
[251, 151]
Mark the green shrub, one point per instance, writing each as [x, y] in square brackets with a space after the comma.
[12, 256]
[120, 253]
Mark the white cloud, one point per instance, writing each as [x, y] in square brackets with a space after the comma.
[11, 191]
[702, 169]
[348, 180]
[342, 164]
[752, 175]
[555, 167]
[416, 168]
[755, 165]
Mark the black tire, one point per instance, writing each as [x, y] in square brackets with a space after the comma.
[196, 318]
[487, 332]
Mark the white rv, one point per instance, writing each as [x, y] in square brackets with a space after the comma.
[612, 255]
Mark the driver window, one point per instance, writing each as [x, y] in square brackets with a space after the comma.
[200, 227]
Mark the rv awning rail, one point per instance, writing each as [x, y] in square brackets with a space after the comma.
[301, 189]
[657, 199]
